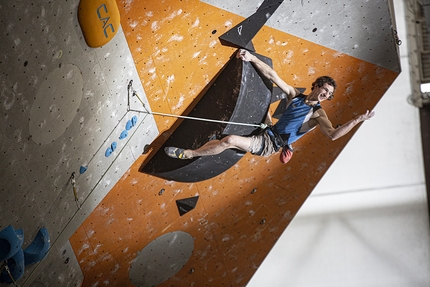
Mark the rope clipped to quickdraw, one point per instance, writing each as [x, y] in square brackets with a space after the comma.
[134, 94]
[6, 267]
[75, 194]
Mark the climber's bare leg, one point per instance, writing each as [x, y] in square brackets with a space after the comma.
[217, 146]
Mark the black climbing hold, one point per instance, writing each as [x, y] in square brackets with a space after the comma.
[146, 149]
[187, 204]
[238, 94]
[241, 35]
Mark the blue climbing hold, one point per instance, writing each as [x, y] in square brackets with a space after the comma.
[110, 149]
[10, 242]
[131, 123]
[134, 120]
[16, 268]
[123, 135]
[83, 169]
[128, 125]
[38, 248]
[108, 152]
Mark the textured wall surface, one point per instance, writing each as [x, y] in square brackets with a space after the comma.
[171, 51]
[363, 29]
[241, 213]
[63, 104]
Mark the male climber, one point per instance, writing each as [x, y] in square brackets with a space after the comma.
[303, 113]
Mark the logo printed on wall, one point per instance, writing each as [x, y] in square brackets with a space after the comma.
[239, 30]
[105, 19]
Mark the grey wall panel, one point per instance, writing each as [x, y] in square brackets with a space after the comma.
[361, 28]
[62, 104]
[62, 270]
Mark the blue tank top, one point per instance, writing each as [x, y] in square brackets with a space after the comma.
[294, 121]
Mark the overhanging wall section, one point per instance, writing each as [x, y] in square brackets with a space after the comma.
[241, 213]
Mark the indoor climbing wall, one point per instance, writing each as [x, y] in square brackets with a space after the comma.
[142, 233]
[66, 110]
[65, 107]
[364, 30]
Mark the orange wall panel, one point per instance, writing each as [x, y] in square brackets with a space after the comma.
[177, 53]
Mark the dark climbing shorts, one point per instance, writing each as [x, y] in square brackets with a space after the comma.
[262, 144]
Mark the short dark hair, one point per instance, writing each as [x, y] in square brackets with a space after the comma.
[320, 81]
